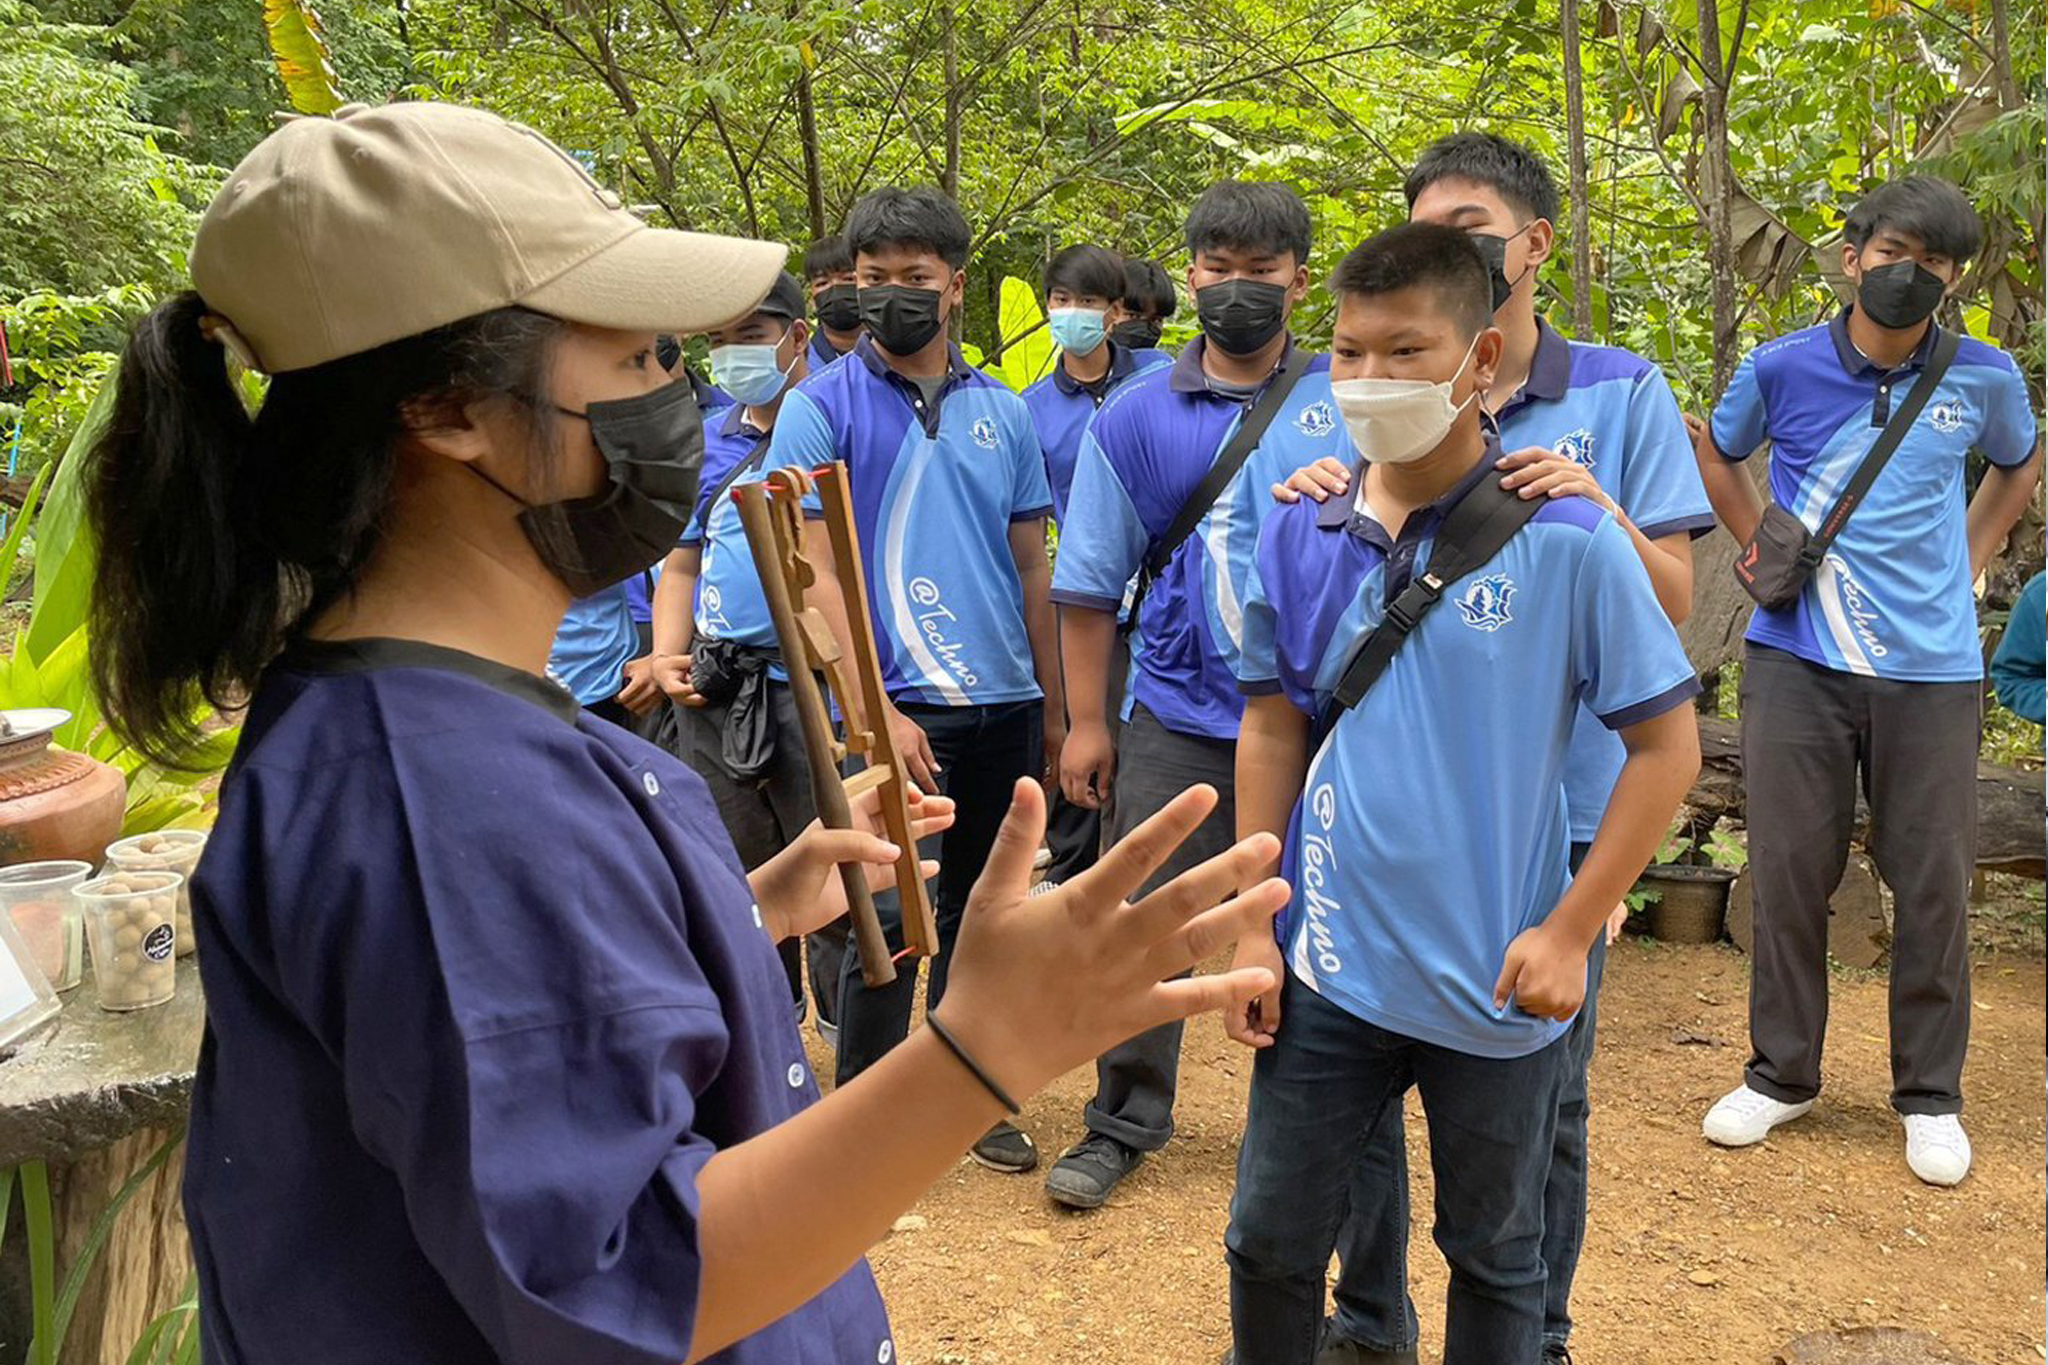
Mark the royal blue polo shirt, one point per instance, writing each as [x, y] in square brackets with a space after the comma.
[1613, 412]
[593, 644]
[485, 990]
[821, 350]
[1061, 408]
[1140, 460]
[1433, 827]
[936, 487]
[1893, 597]
[730, 604]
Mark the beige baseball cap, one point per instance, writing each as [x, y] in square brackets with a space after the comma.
[338, 235]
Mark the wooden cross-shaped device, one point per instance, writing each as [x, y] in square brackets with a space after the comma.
[771, 511]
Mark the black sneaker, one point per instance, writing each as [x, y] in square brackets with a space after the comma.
[1090, 1169]
[1338, 1350]
[1556, 1353]
[1005, 1148]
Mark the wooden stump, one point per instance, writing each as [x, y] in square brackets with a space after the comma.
[142, 1269]
[1859, 935]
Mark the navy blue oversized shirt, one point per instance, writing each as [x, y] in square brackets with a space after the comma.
[485, 991]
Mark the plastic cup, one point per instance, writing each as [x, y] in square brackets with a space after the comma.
[37, 897]
[165, 850]
[131, 923]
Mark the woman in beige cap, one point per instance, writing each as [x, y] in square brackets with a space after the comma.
[499, 1062]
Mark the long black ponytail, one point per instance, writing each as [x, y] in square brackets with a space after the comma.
[219, 533]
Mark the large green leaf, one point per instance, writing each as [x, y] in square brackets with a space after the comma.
[298, 44]
[1027, 344]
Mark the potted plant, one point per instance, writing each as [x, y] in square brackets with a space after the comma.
[1683, 896]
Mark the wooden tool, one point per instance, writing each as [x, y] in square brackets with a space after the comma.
[771, 513]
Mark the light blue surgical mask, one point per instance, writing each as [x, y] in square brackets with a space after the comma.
[749, 373]
[1078, 331]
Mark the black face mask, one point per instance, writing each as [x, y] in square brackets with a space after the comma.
[902, 320]
[838, 307]
[1137, 334]
[1900, 295]
[1495, 250]
[653, 447]
[1240, 316]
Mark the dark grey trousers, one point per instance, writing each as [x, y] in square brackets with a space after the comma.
[763, 817]
[1135, 1081]
[1807, 732]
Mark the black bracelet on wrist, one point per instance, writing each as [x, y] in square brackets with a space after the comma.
[945, 1035]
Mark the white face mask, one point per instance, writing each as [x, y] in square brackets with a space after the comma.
[1395, 421]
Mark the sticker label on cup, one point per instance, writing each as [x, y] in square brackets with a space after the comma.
[158, 945]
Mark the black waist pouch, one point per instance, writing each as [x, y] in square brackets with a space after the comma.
[1780, 557]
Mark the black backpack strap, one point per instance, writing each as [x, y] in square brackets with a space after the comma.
[1228, 461]
[735, 474]
[1945, 347]
[1483, 521]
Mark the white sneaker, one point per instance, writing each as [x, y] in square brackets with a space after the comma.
[1745, 1117]
[1937, 1148]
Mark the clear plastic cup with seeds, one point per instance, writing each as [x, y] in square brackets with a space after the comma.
[164, 850]
[131, 925]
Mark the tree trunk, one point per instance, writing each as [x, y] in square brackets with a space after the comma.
[1582, 215]
[807, 134]
[950, 181]
[2001, 56]
[1718, 182]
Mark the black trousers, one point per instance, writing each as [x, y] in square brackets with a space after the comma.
[1135, 1081]
[763, 816]
[1807, 734]
[982, 751]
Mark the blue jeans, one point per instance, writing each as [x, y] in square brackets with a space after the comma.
[981, 751]
[1373, 1306]
[1319, 1093]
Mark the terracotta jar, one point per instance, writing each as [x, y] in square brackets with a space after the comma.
[54, 803]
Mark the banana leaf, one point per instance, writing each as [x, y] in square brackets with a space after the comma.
[298, 43]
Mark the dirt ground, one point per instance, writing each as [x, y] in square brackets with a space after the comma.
[1693, 1254]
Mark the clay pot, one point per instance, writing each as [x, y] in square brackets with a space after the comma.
[54, 804]
[1691, 904]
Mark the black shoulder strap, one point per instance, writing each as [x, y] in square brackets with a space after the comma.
[1484, 520]
[736, 473]
[1229, 460]
[1945, 348]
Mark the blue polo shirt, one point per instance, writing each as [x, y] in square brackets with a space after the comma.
[1140, 460]
[1611, 411]
[485, 992]
[730, 604]
[1061, 408]
[593, 643]
[821, 350]
[1893, 598]
[1434, 827]
[936, 487]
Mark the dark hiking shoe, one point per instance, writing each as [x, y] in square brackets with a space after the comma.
[1556, 1353]
[1337, 1350]
[1091, 1168]
[1005, 1148]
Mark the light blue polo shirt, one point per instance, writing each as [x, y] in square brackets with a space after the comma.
[1061, 409]
[1893, 597]
[1611, 411]
[593, 643]
[1140, 460]
[1433, 827]
[730, 604]
[935, 490]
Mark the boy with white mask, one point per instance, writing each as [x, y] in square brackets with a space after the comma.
[1436, 938]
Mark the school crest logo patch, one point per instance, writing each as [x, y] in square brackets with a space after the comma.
[1315, 420]
[1946, 417]
[1576, 446]
[1486, 604]
[984, 432]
